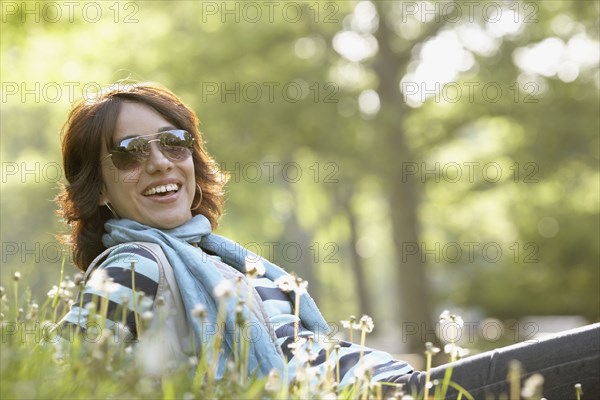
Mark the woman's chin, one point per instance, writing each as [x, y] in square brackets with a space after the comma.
[167, 221]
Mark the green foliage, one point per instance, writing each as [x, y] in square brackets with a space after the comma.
[552, 140]
[49, 360]
[43, 359]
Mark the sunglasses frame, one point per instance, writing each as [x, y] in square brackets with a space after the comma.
[141, 157]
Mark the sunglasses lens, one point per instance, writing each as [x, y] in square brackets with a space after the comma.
[125, 160]
[176, 144]
[131, 153]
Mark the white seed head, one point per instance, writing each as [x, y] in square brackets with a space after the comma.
[147, 316]
[273, 381]
[366, 323]
[431, 349]
[286, 283]
[100, 281]
[223, 290]
[199, 311]
[254, 266]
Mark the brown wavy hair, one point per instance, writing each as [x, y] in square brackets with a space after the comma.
[92, 121]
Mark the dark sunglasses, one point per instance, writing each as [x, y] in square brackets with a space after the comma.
[130, 153]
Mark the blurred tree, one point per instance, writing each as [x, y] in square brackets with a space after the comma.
[354, 131]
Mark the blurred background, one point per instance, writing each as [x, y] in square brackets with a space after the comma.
[404, 157]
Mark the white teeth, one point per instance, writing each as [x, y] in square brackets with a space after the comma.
[161, 189]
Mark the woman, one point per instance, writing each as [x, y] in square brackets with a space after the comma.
[138, 173]
[142, 198]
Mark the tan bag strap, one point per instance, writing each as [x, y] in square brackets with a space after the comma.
[167, 276]
[99, 258]
[165, 272]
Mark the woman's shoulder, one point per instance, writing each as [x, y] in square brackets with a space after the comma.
[142, 259]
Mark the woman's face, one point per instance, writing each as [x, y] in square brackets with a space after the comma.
[129, 192]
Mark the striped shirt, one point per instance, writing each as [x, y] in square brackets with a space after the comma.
[276, 304]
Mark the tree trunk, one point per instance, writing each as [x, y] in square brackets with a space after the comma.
[403, 194]
[364, 300]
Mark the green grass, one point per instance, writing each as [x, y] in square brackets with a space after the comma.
[37, 364]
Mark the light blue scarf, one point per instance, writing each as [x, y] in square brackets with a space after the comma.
[197, 278]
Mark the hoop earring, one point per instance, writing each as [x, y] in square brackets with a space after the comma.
[111, 210]
[200, 201]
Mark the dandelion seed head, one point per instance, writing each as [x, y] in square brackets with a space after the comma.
[199, 311]
[101, 282]
[312, 356]
[145, 302]
[301, 286]
[363, 369]
[239, 313]
[514, 365]
[273, 383]
[297, 345]
[121, 331]
[305, 374]
[366, 323]
[147, 316]
[67, 283]
[59, 292]
[431, 349]
[455, 351]
[223, 290]
[155, 355]
[16, 276]
[286, 283]
[532, 387]
[447, 318]
[78, 279]
[52, 292]
[33, 312]
[328, 395]
[254, 266]
[124, 299]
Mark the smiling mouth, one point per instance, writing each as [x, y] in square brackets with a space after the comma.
[162, 190]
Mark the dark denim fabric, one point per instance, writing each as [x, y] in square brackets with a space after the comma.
[563, 359]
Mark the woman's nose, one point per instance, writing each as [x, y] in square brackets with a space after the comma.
[157, 161]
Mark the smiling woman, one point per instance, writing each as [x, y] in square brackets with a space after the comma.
[97, 127]
[142, 199]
